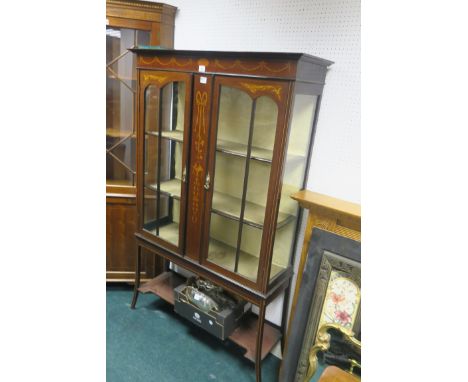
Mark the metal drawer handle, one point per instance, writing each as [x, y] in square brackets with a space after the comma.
[207, 182]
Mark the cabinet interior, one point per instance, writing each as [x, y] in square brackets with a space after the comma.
[243, 155]
[163, 153]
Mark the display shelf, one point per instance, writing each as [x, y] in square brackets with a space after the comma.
[227, 147]
[168, 187]
[163, 286]
[128, 183]
[239, 149]
[257, 153]
[175, 135]
[254, 214]
[224, 255]
[168, 232]
[226, 205]
[244, 335]
[117, 133]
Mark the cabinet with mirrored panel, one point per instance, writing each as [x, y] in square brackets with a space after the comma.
[129, 23]
[223, 140]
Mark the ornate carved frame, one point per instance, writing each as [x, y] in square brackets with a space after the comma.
[323, 344]
[327, 252]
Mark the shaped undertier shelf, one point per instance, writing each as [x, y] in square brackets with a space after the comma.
[244, 335]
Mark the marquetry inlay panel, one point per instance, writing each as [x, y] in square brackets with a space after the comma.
[198, 170]
[251, 67]
[155, 77]
[275, 90]
[171, 62]
[277, 69]
[199, 131]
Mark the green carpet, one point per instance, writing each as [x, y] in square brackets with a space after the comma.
[152, 343]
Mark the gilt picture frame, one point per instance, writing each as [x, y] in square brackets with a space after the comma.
[330, 292]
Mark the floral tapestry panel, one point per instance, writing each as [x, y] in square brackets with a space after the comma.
[341, 302]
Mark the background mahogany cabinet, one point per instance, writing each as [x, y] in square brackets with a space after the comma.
[128, 23]
[224, 139]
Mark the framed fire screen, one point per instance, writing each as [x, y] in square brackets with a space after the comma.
[330, 293]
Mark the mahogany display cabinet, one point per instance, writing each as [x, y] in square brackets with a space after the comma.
[128, 23]
[223, 140]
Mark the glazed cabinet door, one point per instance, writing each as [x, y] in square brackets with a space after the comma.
[164, 115]
[248, 127]
[121, 81]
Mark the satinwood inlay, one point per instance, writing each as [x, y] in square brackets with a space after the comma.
[201, 99]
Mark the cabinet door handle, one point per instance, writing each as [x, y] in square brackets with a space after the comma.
[207, 181]
[184, 174]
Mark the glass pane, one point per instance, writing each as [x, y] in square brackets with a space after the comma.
[173, 113]
[245, 138]
[120, 79]
[250, 251]
[113, 45]
[164, 111]
[120, 86]
[152, 109]
[293, 178]
[223, 241]
[263, 140]
[151, 162]
[235, 107]
[119, 108]
[117, 173]
[124, 153]
[119, 59]
[124, 70]
[227, 189]
[142, 37]
[124, 67]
